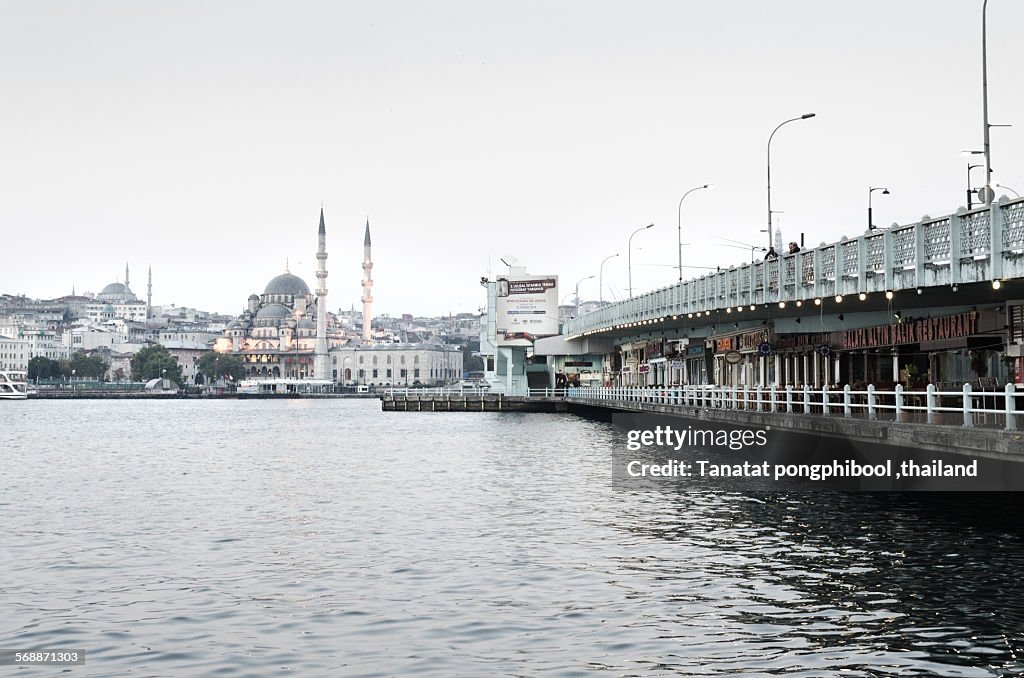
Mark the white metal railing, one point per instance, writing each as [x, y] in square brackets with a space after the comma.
[965, 407]
[970, 246]
[407, 392]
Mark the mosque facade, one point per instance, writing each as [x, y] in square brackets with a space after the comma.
[286, 332]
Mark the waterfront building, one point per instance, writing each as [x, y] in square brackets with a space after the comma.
[14, 354]
[423, 364]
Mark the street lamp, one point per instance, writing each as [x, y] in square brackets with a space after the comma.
[802, 117]
[698, 188]
[1007, 188]
[578, 294]
[970, 190]
[885, 191]
[629, 256]
[600, 279]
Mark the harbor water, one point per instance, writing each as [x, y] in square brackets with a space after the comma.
[325, 537]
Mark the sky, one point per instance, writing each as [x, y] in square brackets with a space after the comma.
[201, 138]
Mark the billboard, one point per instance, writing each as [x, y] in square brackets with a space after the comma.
[527, 308]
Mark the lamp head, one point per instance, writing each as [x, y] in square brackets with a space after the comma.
[885, 191]
[806, 115]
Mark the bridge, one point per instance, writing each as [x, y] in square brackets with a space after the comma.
[972, 246]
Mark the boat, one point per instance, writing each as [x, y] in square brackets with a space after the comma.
[13, 385]
[283, 387]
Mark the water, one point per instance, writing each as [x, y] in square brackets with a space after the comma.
[186, 538]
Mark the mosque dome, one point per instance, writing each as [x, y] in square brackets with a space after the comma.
[307, 324]
[116, 291]
[234, 325]
[286, 283]
[273, 311]
[253, 297]
[114, 288]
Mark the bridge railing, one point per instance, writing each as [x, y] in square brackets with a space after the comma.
[965, 407]
[986, 243]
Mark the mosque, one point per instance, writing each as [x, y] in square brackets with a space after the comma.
[287, 333]
[118, 301]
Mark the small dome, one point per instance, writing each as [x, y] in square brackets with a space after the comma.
[108, 309]
[234, 324]
[307, 324]
[254, 297]
[286, 283]
[273, 311]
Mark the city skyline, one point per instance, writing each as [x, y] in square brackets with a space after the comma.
[202, 139]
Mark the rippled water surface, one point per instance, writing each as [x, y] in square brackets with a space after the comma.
[324, 537]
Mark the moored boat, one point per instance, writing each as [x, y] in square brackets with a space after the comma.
[13, 385]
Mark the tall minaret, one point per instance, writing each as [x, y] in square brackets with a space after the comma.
[320, 352]
[367, 287]
[149, 294]
[126, 274]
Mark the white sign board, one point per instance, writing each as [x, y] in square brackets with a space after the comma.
[527, 308]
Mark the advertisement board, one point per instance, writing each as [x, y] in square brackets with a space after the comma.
[527, 308]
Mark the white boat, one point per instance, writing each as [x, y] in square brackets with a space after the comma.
[13, 385]
[283, 387]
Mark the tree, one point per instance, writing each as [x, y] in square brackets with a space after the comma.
[42, 367]
[154, 362]
[471, 362]
[90, 366]
[220, 366]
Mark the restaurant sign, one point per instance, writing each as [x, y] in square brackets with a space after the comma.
[913, 331]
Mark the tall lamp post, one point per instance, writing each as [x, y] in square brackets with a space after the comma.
[885, 191]
[600, 276]
[578, 294]
[629, 256]
[698, 188]
[785, 122]
[988, 192]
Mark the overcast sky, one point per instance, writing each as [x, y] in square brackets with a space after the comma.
[202, 137]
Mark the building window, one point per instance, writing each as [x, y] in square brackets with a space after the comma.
[403, 360]
[415, 360]
[416, 373]
[375, 360]
[375, 374]
[360, 360]
[362, 374]
[389, 374]
[404, 373]
[389, 360]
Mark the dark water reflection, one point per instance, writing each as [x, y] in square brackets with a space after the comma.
[327, 538]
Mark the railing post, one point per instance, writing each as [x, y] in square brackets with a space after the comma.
[899, 398]
[789, 398]
[807, 399]
[757, 392]
[1010, 391]
[735, 398]
[847, 412]
[872, 413]
[824, 399]
[968, 420]
[773, 407]
[930, 403]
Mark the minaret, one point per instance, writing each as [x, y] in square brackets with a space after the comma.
[126, 275]
[320, 352]
[367, 287]
[149, 294]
